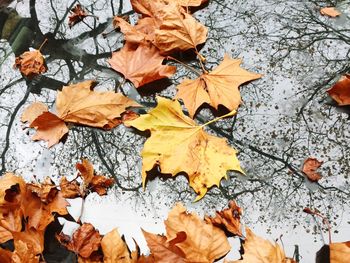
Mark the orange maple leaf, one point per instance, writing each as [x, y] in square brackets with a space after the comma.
[33, 111]
[309, 168]
[339, 252]
[140, 66]
[31, 63]
[340, 91]
[219, 87]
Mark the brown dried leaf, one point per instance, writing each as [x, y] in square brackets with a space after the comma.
[204, 242]
[70, 189]
[309, 168]
[5, 256]
[219, 87]
[330, 11]
[340, 252]
[33, 111]
[86, 171]
[49, 128]
[165, 251]
[99, 184]
[86, 239]
[78, 14]
[228, 219]
[31, 63]
[140, 66]
[46, 190]
[76, 103]
[340, 91]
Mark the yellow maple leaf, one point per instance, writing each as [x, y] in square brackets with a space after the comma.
[217, 87]
[177, 145]
[204, 242]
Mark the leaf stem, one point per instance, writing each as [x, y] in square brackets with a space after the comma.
[219, 118]
[201, 59]
[324, 221]
[185, 65]
[42, 44]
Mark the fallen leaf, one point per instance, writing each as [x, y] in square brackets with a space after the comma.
[179, 31]
[340, 252]
[86, 171]
[100, 183]
[28, 244]
[70, 189]
[76, 103]
[140, 66]
[114, 249]
[203, 243]
[340, 91]
[309, 168]
[164, 251]
[5, 256]
[78, 15]
[188, 148]
[219, 87]
[259, 250]
[187, 3]
[49, 128]
[31, 63]
[5, 235]
[86, 239]
[33, 111]
[330, 11]
[148, 8]
[228, 219]
[46, 190]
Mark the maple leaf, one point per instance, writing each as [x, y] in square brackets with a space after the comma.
[163, 250]
[148, 8]
[228, 219]
[5, 235]
[33, 111]
[259, 250]
[46, 191]
[187, 3]
[219, 87]
[49, 128]
[339, 252]
[140, 66]
[31, 63]
[329, 11]
[203, 243]
[179, 31]
[114, 249]
[78, 15]
[70, 189]
[76, 103]
[309, 168]
[188, 148]
[340, 91]
[86, 239]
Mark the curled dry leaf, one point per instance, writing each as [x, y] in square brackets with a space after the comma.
[257, 249]
[31, 63]
[309, 168]
[330, 11]
[46, 190]
[99, 184]
[78, 14]
[86, 171]
[204, 242]
[85, 240]
[228, 219]
[205, 158]
[340, 252]
[340, 91]
[219, 87]
[140, 66]
[179, 31]
[49, 128]
[33, 111]
[77, 103]
[70, 189]
[163, 250]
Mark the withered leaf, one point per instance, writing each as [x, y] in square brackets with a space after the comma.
[219, 87]
[114, 249]
[340, 91]
[49, 128]
[188, 148]
[33, 111]
[86, 239]
[330, 11]
[46, 190]
[31, 63]
[70, 189]
[228, 219]
[77, 103]
[203, 243]
[78, 14]
[309, 168]
[340, 252]
[140, 66]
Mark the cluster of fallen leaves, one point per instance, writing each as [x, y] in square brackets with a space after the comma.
[27, 209]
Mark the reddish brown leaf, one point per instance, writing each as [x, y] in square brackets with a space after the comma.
[33, 111]
[78, 14]
[49, 128]
[309, 168]
[140, 66]
[5, 256]
[85, 240]
[99, 184]
[228, 219]
[31, 63]
[70, 189]
[340, 91]
[86, 171]
[46, 190]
